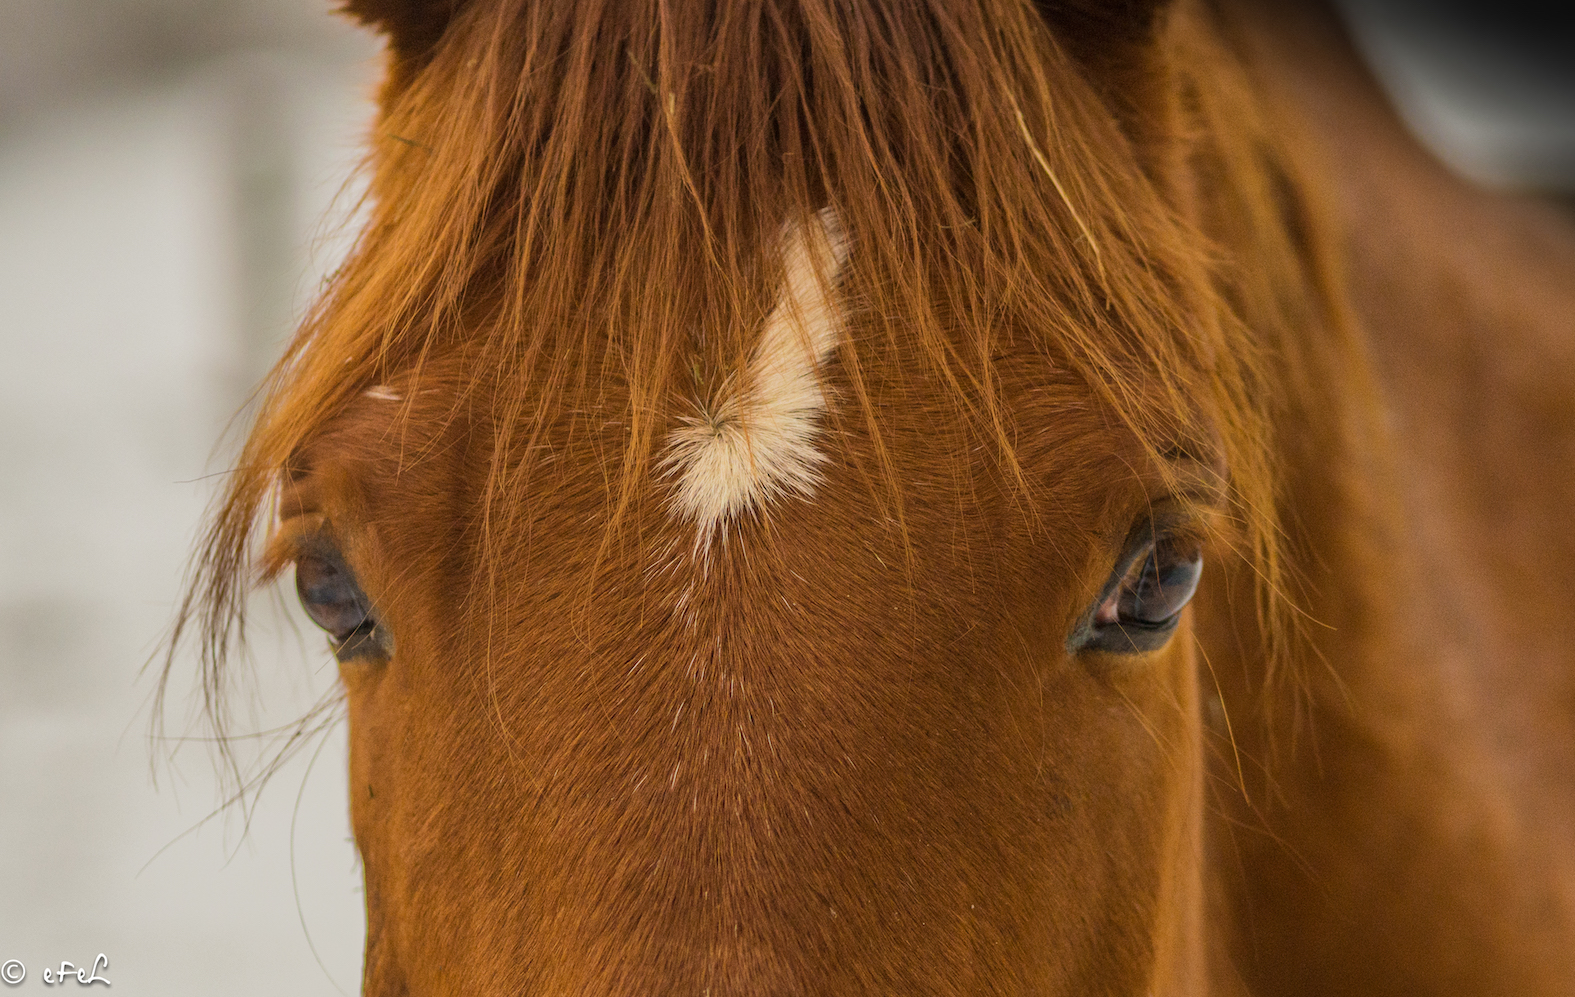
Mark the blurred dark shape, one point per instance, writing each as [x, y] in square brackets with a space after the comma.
[1489, 86]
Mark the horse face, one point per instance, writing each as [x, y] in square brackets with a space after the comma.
[821, 752]
[811, 707]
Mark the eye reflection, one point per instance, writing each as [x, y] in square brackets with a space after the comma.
[1141, 605]
[1155, 588]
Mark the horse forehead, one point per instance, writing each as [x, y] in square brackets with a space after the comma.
[755, 455]
[741, 455]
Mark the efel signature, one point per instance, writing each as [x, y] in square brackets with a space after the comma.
[14, 972]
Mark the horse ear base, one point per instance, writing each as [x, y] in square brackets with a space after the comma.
[1091, 24]
[1111, 39]
[1118, 45]
[413, 27]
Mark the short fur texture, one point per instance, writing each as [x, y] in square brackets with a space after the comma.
[1189, 271]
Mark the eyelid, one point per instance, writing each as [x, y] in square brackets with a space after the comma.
[1174, 519]
[292, 539]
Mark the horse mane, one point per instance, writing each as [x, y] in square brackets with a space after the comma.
[589, 194]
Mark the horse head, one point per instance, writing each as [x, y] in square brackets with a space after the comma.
[754, 471]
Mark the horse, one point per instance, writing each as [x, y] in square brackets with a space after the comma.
[938, 497]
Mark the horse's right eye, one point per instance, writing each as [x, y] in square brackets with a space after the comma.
[334, 600]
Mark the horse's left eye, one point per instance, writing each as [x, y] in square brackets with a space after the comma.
[1140, 608]
[1155, 588]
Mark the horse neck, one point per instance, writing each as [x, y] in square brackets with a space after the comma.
[1356, 827]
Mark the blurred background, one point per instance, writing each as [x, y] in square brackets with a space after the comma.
[168, 170]
[169, 175]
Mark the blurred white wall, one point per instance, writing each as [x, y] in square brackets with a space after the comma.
[165, 173]
[165, 168]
